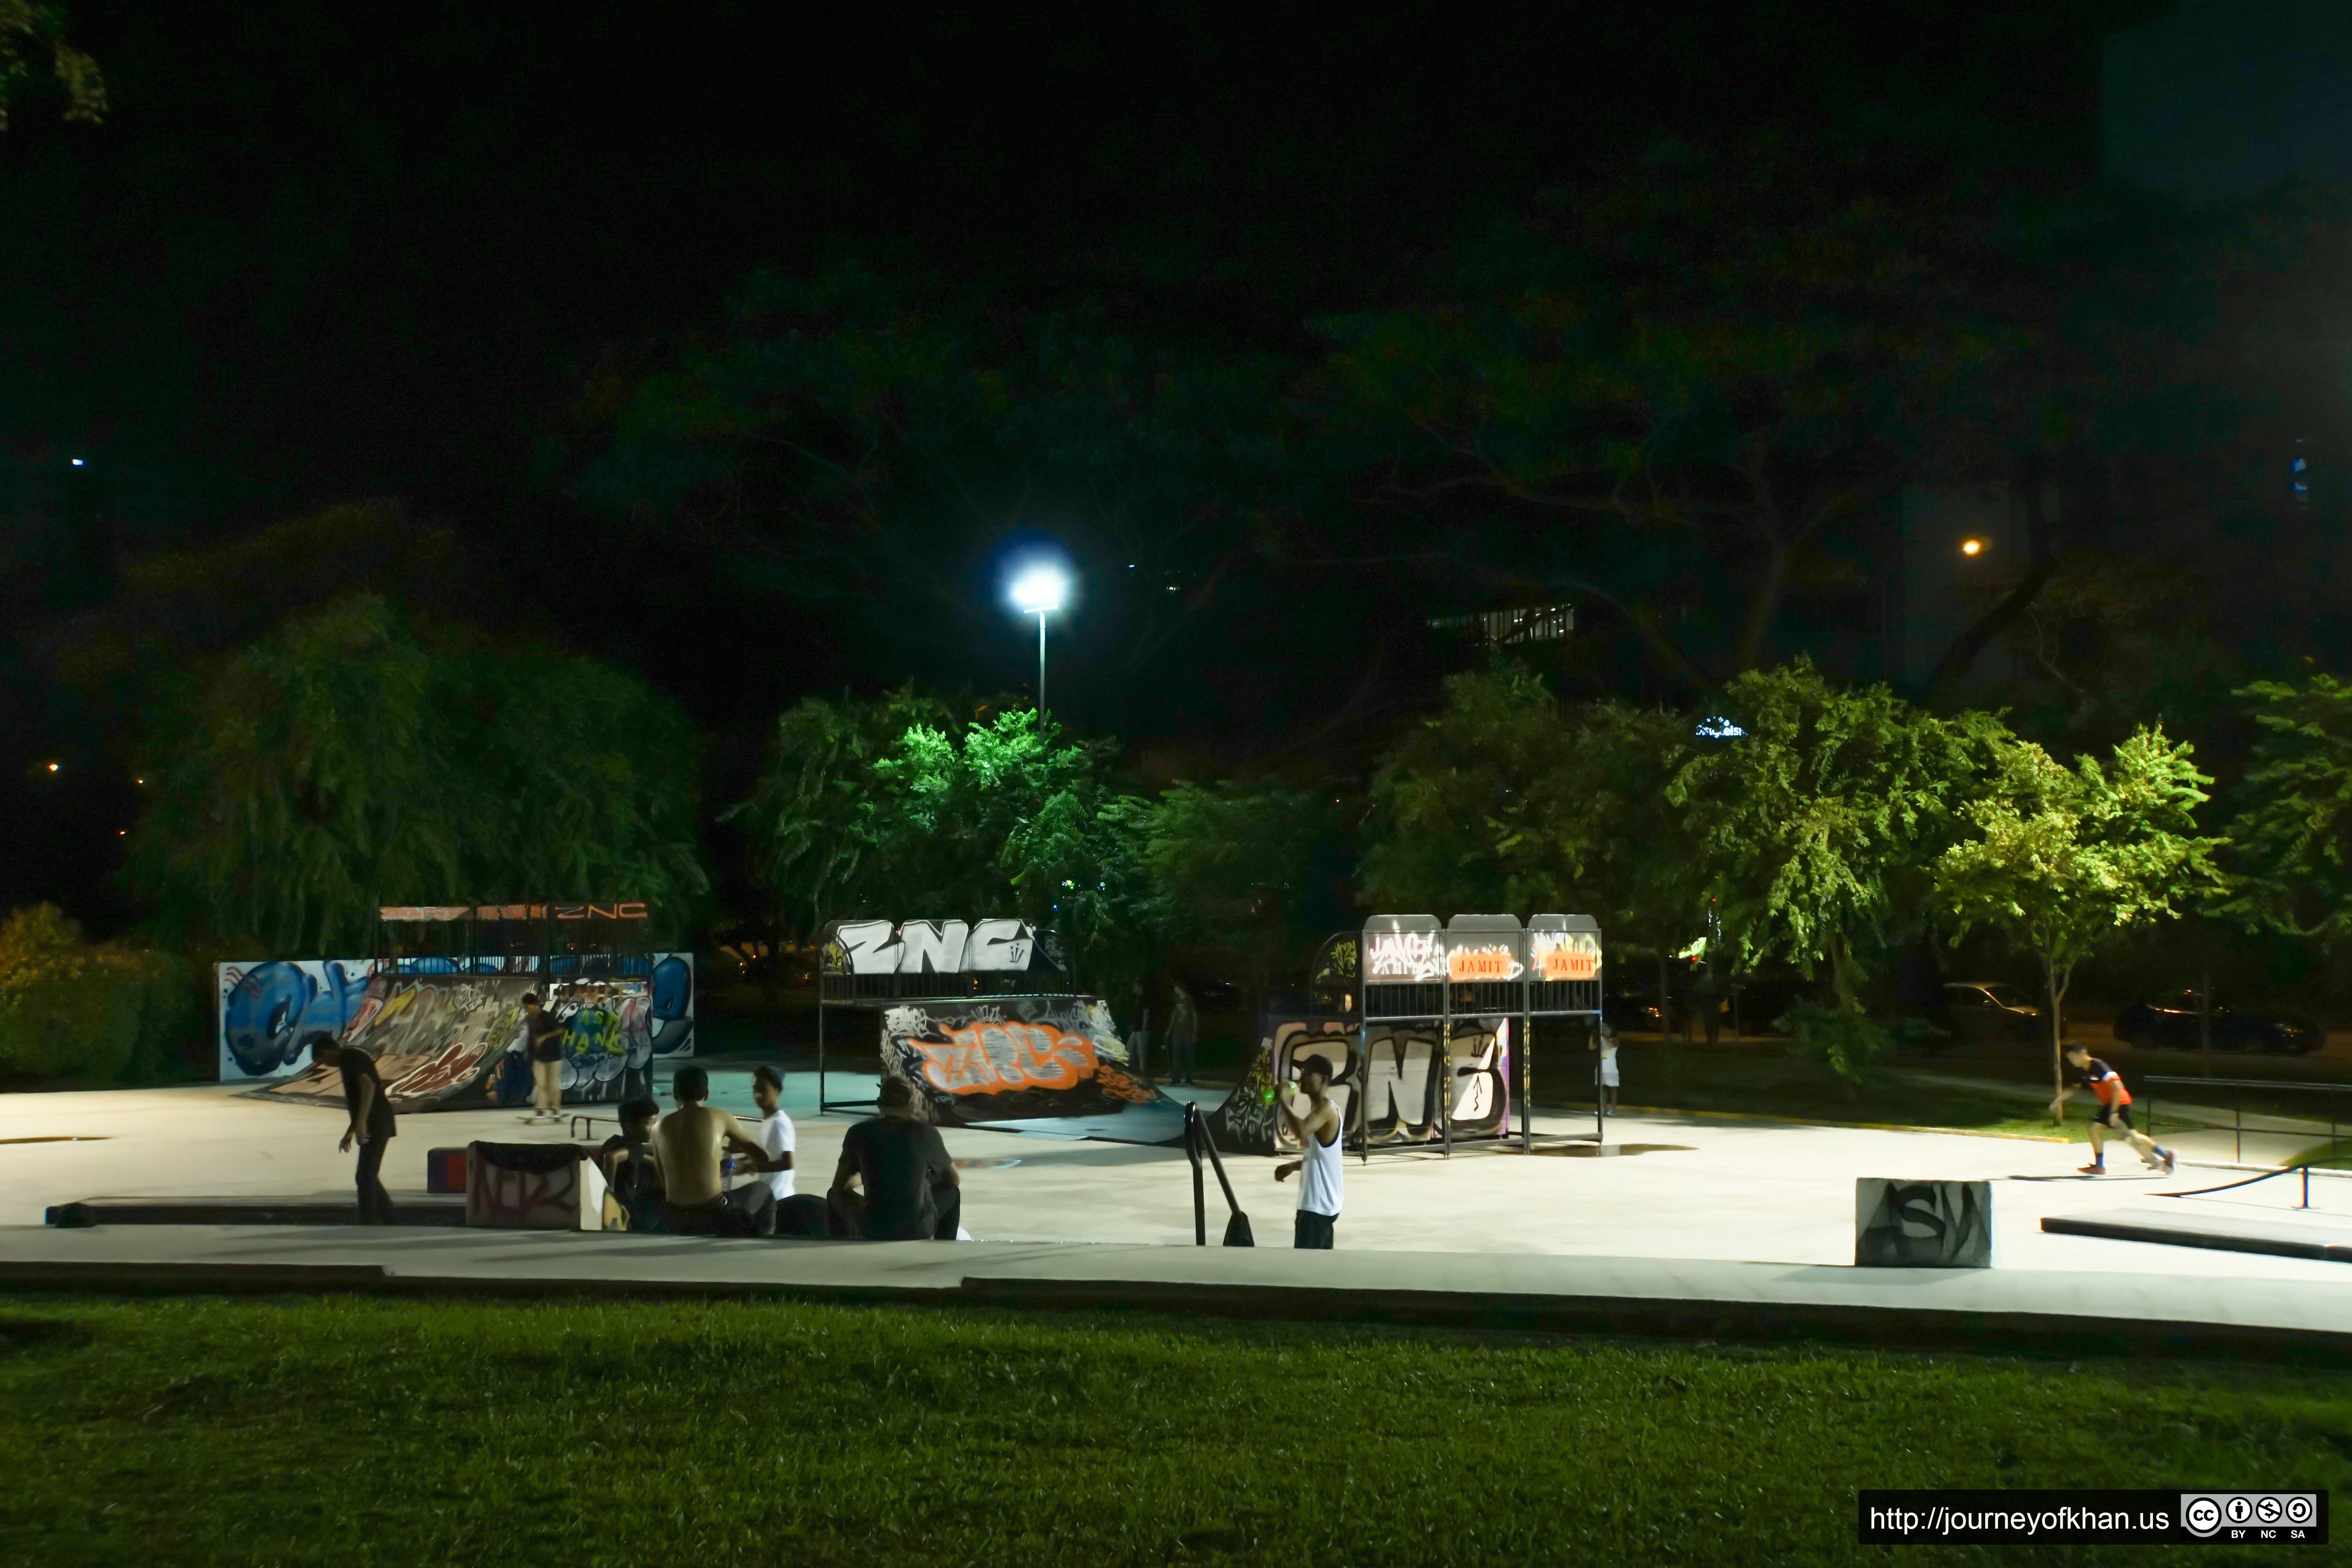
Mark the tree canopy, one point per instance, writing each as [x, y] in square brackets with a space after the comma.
[342, 764]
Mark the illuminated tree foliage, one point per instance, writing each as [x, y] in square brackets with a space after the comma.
[342, 764]
[1816, 827]
[2063, 861]
[30, 30]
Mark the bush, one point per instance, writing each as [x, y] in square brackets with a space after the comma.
[72, 1009]
[1847, 1040]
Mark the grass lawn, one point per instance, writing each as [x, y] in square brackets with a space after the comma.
[359, 1431]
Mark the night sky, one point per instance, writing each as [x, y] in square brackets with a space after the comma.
[318, 254]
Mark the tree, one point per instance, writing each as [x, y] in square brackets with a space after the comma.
[2290, 836]
[1508, 801]
[2064, 861]
[1258, 869]
[1670, 393]
[1813, 826]
[804, 817]
[342, 764]
[30, 29]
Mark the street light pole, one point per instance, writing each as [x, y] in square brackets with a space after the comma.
[1039, 592]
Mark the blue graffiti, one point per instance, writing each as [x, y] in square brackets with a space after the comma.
[673, 989]
[269, 1010]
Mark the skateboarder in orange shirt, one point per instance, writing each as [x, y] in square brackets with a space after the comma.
[2114, 1110]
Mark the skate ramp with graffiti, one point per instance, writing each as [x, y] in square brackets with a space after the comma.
[452, 1042]
[1053, 1066]
[1396, 1067]
[269, 1009]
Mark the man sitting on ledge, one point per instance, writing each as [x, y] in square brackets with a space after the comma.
[688, 1146]
[911, 1190]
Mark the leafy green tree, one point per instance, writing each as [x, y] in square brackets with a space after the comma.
[77, 1009]
[808, 834]
[1005, 819]
[1257, 869]
[2289, 835]
[30, 29]
[341, 763]
[1814, 826]
[2064, 861]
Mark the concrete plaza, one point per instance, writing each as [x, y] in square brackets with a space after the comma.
[1664, 1186]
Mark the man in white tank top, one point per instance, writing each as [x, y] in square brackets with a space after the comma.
[1322, 1149]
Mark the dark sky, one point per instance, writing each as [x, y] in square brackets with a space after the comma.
[320, 252]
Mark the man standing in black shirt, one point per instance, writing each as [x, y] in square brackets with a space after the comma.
[542, 1038]
[372, 1126]
[909, 1190]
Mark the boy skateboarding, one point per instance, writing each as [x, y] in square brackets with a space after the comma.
[2115, 1111]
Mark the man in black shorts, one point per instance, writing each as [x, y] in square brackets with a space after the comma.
[895, 1182]
[372, 1124]
[2115, 1111]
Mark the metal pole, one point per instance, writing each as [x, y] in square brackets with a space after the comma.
[1526, 1076]
[1041, 667]
[1199, 1194]
[2238, 1129]
[1600, 1112]
[820, 1036]
[1363, 1091]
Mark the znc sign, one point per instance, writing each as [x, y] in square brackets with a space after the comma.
[932, 947]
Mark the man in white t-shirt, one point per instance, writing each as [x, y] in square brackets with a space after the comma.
[795, 1215]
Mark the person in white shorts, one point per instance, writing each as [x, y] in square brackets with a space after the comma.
[1605, 1042]
[1322, 1152]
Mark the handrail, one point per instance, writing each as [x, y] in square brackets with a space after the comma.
[2238, 1106]
[1196, 1138]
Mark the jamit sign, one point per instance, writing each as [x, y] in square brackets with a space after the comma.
[1564, 955]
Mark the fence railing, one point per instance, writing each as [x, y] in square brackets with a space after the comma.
[2337, 1098]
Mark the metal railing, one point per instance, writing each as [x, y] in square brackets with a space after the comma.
[1196, 1141]
[2335, 1093]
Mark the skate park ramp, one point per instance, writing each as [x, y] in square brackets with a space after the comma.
[452, 1042]
[1395, 1065]
[1051, 1066]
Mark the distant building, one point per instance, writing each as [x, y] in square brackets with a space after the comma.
[2225, 97]
[1510, 627]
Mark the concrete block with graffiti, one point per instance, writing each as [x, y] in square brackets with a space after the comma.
[1011, 1059]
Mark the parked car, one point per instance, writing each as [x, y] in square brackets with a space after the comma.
[1985, 1011]
[2170, 1022]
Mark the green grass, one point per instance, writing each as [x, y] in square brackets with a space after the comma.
[360, 1431]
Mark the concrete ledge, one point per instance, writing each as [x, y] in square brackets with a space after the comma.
[436, 1209]
[1984, 1310]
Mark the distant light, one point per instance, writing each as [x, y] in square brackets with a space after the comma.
[1040, 590]
[1972, 546]
[138, 781]
[123, 833]
[53, 767]
[1719, 730]
[77, 463]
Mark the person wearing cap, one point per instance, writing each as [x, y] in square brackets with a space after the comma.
[542, 1041]
[689, 1145]
[895, 1182]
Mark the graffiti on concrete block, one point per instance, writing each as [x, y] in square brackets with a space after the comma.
[532, 1186]
[1012, 1060]
[1922, 1224]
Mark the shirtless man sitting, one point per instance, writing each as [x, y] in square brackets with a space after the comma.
[688, 1146]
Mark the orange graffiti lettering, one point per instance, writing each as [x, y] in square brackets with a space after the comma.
[999, 1058]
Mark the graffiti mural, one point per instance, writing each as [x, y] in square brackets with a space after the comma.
[532, 1186]
[1012, 1060]
[1922, 1224]
[1395, 1068]
[266, 1009]
[454, 1041]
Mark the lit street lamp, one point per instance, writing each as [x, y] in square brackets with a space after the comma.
[1040, 590]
